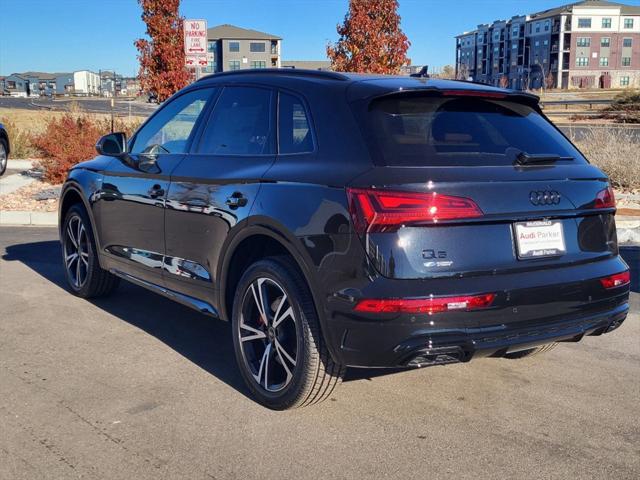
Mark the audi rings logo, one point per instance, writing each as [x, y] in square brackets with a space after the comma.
[546, 197]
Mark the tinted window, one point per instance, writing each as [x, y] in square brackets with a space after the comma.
[240, 123]
[429, 130]
[256, 47]
[294, 132]
[234, 46]
[169, 130]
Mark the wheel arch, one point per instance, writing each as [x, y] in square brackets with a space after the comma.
[72, 194]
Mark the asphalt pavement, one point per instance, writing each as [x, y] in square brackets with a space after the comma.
[91, 104]
[137, 387]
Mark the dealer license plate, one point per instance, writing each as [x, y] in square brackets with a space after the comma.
[539, 239]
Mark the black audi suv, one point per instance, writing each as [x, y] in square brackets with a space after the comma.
[351, 220]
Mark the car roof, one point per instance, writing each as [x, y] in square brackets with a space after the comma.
[360, 86]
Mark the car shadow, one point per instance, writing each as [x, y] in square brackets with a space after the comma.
[202, 340]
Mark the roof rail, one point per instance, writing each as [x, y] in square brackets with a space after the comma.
[297, 72]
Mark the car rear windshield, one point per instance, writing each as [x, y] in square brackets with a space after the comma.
[428, 130]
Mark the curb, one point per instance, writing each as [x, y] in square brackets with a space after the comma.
[17, 218]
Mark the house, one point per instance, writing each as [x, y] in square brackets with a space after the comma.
[234, 48]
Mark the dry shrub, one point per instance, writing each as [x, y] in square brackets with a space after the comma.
[20, 140]
[70, 139]
[616, 151]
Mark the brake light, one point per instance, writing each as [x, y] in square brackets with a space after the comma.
[382, 210]
[605, 199]
[428, 305]
[473, 93]
[617, 280]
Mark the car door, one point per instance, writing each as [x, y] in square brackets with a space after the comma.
[214, 187]
[131, 205]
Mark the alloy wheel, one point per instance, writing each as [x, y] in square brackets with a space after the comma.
[3, 157]
[268, 334]
[76, 252]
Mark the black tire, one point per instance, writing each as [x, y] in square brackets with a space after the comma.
[314, 375]
[530, 352]
[4, 156]
[85, 279]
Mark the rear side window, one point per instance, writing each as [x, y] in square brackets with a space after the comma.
[442, 131]
[241, 123]
[294, 134]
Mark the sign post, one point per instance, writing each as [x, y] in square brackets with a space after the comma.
[195, 44]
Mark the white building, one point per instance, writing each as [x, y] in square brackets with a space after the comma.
[86, 82]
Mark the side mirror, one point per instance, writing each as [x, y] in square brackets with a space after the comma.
[112, 145]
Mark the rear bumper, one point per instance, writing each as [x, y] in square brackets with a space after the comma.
[558, 305]
[419, 346]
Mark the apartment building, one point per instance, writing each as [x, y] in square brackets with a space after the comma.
[86, 82]
[588, 44]
[234, 48]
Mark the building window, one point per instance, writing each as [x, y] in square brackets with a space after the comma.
[626, 61]
[256, 47]
[606, 23]
[605, 42]
[212, 46]
[546, 42]
[234, 46]
[537, 27]
[274, 47]
[258, 64]
[604, 61]
[626, 42]
[547, 24]
[514, 46]
[515, 31]
[584, 23]
[584, 41]
[582, 61]
[624, 81]
[234, 64]
[537, 43]
[628, 23]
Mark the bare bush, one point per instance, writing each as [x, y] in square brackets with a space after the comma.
[616, 152]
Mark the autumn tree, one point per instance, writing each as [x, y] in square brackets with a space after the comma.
[161, 56]
[371, 40]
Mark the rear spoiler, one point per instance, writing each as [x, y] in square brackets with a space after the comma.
[511, 95]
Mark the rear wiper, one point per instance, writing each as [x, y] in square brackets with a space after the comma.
[525, 158]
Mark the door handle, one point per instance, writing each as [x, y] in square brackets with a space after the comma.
[236, 200]
[156, 191]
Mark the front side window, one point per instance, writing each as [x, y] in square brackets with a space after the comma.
[169, 130]
[626, 42]
[546, 25]
[256, 47]
[294, 130]
[582, 61]
[241, 124]
[410, 130]
[626, 61]
[605, 42]
[628, 23]
[604, 61]
[258, 64]
[234, 46]
[234, 64]
[584, 41]
[584, 23]
[606, 23]
[624, 81]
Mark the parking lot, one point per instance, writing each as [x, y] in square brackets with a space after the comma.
[136, 387]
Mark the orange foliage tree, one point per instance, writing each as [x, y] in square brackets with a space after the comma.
[371, 40]
[161, 58]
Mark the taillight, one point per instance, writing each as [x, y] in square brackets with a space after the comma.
[605, 199]
[617, 280]
[383, 210]
[428, 305]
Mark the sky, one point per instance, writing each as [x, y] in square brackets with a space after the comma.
[68, 35]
